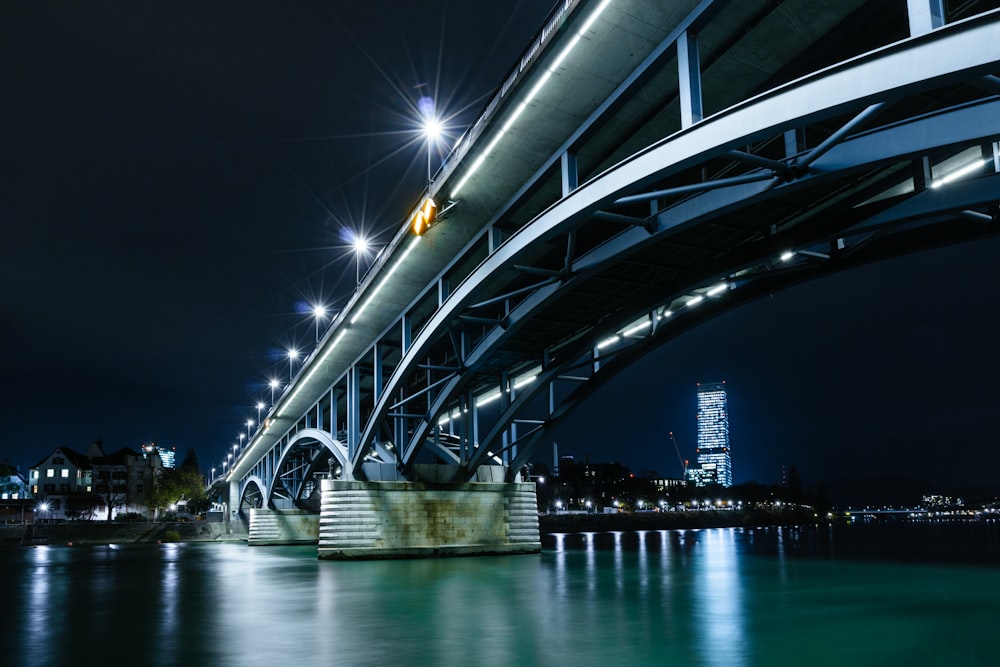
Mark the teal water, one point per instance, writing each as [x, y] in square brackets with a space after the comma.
[915, 595]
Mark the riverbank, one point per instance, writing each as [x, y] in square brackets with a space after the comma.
[593, 522]
[99, 532]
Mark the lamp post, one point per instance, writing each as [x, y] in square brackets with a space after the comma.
[260, 406]
[213, 475]
[319, 312]
[292, 356]
[360, 247]
[236, 448]
[242, 436]
[249, 426]
[274, 384]
[431, 127]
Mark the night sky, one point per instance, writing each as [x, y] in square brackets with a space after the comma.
[179, 181]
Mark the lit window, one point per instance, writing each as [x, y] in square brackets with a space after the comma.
[65, 472]
[50, 472]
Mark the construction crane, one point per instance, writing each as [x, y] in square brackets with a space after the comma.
[684, 461]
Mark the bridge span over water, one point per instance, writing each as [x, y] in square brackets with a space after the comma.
[644, 166]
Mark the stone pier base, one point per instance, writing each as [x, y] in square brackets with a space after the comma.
[269, 527]
[374, 520]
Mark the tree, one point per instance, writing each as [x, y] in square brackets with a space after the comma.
[81, 505]
[184, 483]
[111, 486]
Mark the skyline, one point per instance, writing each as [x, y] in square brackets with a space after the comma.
[179, 198]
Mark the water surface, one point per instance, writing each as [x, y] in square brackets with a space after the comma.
[771, 596]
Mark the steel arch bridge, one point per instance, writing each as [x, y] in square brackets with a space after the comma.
[641, 170]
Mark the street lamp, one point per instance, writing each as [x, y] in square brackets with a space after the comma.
[319, 312]
[249, 426]
[274, 384]
[236, 448]
[242, 436]
[360, 247]
[431, 127]
[213, 474]
[292, 356]
[260, 406]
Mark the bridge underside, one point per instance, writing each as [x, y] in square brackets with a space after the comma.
[705, 172]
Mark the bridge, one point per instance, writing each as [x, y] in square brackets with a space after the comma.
[643, 167]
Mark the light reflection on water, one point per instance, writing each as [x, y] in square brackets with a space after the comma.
[697, 597]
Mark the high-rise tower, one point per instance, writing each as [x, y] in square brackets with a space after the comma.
[714, 462]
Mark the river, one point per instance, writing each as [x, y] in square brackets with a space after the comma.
[819, 595]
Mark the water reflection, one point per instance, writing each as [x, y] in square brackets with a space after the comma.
[718, 601]
[678, 598]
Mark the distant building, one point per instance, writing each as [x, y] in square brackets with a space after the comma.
[168, 456]
[714, 460]
[124, 480]
[13, 485]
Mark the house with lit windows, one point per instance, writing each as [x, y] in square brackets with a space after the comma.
[59, 476]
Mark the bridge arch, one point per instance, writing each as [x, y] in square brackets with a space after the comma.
[253, 492]
[306, 454]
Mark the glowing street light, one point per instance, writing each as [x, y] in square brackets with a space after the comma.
[249, 426]
[292, 356]
[242, 436]
[274, 384]
[260, 406]
[236, 448]
[360, 248]
[431, 127]
[319, 312]
[213, 474]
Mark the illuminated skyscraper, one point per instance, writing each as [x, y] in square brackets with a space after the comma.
[714, 462]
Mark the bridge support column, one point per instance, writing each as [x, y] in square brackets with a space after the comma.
[269, 527]
[381, 520]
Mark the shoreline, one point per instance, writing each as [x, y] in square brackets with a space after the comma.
[549, 524]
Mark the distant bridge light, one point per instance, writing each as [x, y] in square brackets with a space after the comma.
[695, 301]
[718, 289]
[787, 255]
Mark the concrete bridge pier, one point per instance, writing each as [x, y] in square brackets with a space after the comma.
[429, 518]
[282, 526]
